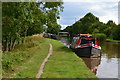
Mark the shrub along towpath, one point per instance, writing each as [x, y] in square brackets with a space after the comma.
[63, 63]
[25, 61]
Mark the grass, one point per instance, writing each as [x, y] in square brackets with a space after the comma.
[25, 60]
[110, 40]
[32, 66]
[65, 64]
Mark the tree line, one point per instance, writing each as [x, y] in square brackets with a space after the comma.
[91, 24]
[21, 19]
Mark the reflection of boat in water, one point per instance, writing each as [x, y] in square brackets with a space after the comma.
[92, 63]
[85, 45]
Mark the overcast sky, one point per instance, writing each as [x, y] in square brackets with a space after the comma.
[76, 9]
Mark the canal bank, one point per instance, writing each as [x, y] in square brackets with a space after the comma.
[63, 63]
[107, 65]
[111, 40]
[26, 61]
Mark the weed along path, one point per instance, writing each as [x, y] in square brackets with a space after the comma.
[43, 63]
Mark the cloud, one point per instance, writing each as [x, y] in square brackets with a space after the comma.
[90, 0]
[63, 26]
[105, 11]
[76, 10]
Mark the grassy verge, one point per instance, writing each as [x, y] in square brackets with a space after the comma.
[25, 60]
[110, 40]
[65, 64]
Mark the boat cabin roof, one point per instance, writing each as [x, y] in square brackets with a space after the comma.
[84, 35]
[89, 37]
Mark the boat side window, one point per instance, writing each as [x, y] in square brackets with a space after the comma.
[92, 41]
[87, 41]
[74, 41]
[83, 41]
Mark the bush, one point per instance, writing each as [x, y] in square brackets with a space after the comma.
[20, 54]
[100, 36]
[116, 33]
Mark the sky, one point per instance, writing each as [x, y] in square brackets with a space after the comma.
[105, 10]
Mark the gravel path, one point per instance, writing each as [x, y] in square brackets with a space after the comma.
[43, 63]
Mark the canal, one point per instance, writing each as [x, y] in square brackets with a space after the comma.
[106, 66]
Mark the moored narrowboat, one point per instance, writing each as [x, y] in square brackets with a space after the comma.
[85, 45]
[52, 36]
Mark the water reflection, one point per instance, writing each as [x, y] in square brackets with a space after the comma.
[111, 50]
[109, 60]
[92, 63]
[107, 65]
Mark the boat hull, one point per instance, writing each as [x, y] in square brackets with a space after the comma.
[87, 51]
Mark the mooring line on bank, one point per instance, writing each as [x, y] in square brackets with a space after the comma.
[40, 72]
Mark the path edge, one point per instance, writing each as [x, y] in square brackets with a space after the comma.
[40, 72]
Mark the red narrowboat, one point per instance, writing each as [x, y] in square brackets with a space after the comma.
[85, 45]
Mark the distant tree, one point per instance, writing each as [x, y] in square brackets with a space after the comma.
[116, 33]
[84, 25]
[88, 20]
[110, 26]
[91, 24]
[95, 31]
[110, 22]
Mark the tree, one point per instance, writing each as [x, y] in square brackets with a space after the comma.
[110, 26]
[52, 11]
[84, 25]
[21, 19]
[116, 33]
[91, 24]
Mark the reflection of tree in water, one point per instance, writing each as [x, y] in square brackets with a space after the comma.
[92, 63]
[111, 50]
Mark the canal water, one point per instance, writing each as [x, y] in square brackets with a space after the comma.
[106, 66]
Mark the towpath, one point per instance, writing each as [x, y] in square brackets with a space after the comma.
[43, 63]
